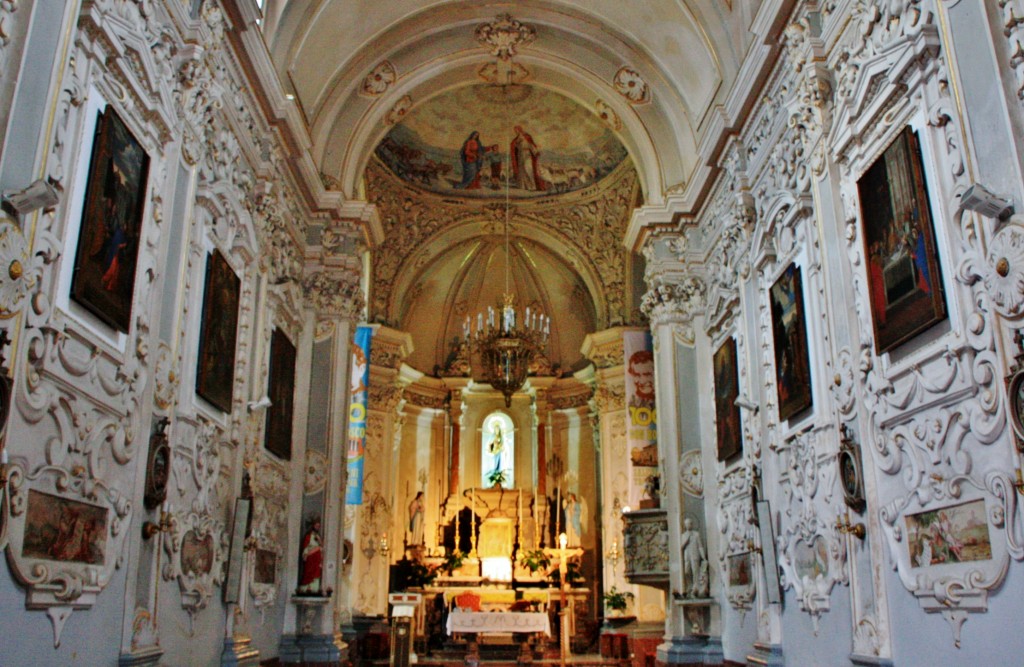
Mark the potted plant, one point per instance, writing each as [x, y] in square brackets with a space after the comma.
[614, 603]
[535, 560]
[497, 478]
[452, 561]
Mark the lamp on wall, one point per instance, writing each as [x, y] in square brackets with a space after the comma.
[505, 342]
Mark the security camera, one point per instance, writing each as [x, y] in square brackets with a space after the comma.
[40, 194]
[261, 404]
[746, 404]
[980, 199]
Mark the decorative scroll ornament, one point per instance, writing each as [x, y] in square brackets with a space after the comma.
[14, 258]
[196, 547]
[691, 474]
[316, 472]
[506, 73]
[504, 36]
[397, 113]
[379, 79]
[608, 115]
[632, 86]
[1003, 272]
[683, 300]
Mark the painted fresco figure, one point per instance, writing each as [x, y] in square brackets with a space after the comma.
[312, 556]
[472, 158]
[525, 166]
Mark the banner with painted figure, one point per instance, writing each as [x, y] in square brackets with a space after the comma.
[642, 421]
[359, 391]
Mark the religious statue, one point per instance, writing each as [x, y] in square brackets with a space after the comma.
[574, 508]
[312, 557]
[499, 453]
[416, 520]
[695, 562]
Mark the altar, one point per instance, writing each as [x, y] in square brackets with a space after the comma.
[492, 622]
[522, 625]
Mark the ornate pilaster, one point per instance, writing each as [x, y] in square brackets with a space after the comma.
[675, 299]
[378, 518]
[605, 350]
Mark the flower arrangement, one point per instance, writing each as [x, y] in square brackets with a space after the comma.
[617, 600]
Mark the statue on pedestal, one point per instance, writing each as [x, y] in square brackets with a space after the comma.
[312, 558]
[695, 562]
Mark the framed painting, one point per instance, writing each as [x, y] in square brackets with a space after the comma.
[265, 571]
[792, 358]
[64, 530]
[215, 371]
[904, 284]
[955, 534]
[727, 390]
[281, 388]
[103, 280]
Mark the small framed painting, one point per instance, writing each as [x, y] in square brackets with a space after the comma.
[727, 390]
[108, 242]
[215, 373]
[64, 530]
[904, 284]
[281, 389]
[792, 358]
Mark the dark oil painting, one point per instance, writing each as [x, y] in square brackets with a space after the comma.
[65, 530]
[727, 390]
[216, 364]
[108, 243]
[266, 567]
[792, 359]
[904, 283]
[282, 385]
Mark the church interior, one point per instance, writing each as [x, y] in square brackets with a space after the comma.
[620, 334]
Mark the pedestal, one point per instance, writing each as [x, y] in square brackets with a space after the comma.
[307, 644]
[239, 652]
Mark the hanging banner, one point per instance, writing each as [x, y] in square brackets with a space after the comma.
[359, 391]
[642, 430]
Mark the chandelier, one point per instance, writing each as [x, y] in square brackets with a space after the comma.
[505, 344]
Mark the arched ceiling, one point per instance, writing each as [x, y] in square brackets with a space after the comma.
[615, 95]
[655, 69]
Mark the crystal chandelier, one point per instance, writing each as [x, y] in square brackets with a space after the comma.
[504, 345]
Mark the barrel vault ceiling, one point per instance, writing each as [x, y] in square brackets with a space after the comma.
[616, 97]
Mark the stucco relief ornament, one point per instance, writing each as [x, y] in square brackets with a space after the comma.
[608, 115]
[632, 86]
[691, 474]
[512, 72]
[398, 111]
[379, 79]
[14, 284]
[504, 36]
[1003, 273]
[316, 472]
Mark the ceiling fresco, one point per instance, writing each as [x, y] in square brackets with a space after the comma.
[465, 142]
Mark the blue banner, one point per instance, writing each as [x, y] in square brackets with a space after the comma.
[359, 390]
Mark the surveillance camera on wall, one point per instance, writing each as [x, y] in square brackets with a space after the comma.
[261, 404]
[40, 194]
[746, 403]
[981, 200]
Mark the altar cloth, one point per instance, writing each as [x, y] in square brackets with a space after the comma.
[498, 621]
